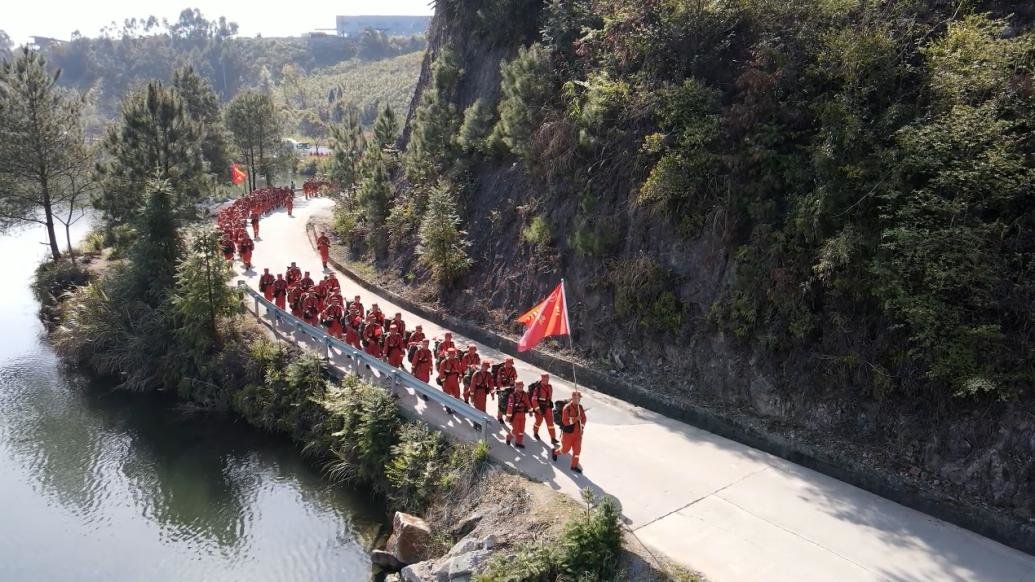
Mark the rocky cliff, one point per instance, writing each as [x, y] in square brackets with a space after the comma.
[709, 218]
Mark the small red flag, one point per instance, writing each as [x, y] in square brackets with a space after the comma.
[237, 175]
[549, 318]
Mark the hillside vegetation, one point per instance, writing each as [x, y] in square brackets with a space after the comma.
[816, 213]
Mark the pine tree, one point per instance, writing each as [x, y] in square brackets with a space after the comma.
[156, 138]
[256, 127]
[526, 88]
[41, 143]
[202, 106]
[203, 294]
[157, 249]
[386, 129]
[431, 147]
[443, 248]
[478, 122]
[373, 195]
[348, 145]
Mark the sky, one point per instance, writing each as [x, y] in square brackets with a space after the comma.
[59, 18]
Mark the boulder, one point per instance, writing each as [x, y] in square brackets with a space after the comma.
[468, 544]
[465, 565]
[386, 560]
[490, 542]
[409, 539]
[466, 525]
[419, 572]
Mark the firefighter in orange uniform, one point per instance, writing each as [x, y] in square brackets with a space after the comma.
[506, 376]
[266, 284]
[445, 345]
[573, 425]
[324, 244]
[255, 222]
[372, 333]
[541, 395]
[518, 407]
[331, 319]
[245, 247]
[422, 362]
[417, 336]
[480, 386]
[395, 347]
[280, 291]
[450, 371]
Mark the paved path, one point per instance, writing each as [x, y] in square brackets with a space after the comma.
[711, 504]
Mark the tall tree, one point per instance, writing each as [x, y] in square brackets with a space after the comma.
[386, 128]
[372, 196]
[443, 249]
[348, 144]
[40, 141]
[255, 124]
[157, 249]
[202, 106]
[156, 138]
[203, 294]
[5, 46]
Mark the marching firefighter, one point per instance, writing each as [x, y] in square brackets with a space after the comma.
[372, 337]
[306, 281]
[450, 370]
[255, 222]
[280, 291]
[266, 284]
[309, 307]
[573, 424]
[357, 305]
[229, 248]
[399, 324]
[422, 362]
[471, 359]
[417, 336]
[395, 347]
[293, 273]
[294, 299]
[377, 314]
[245, 247]
[541, 395]
[445, 345]
[479, 387]
[324, 244]
[331, 319]
[518, 406]
[506, 376]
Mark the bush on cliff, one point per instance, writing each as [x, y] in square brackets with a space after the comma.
[54, 278]
[589, 549]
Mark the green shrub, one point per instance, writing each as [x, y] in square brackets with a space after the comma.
[528, 86]
[537, 234]
[360, 431]
[591, 545]
[643, 292]
[416, 464]
[54, 278]
[589, 549]
[443, 248]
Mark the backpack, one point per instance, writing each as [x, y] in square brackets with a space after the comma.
[412, 353]
[495, 371]
[502, 398]
[558, 414]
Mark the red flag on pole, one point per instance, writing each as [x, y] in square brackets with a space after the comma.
[237, 175]
[549, 318]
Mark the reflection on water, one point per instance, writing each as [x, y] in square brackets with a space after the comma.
[101, 485]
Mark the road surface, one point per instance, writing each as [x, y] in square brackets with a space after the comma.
[732, 512]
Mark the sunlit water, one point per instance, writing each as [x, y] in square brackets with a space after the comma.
[102, 485]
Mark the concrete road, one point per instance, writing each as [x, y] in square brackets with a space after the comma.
[711, 504]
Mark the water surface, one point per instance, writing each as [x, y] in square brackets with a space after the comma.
[97, 484]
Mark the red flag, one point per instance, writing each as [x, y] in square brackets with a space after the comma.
[237, 175]
[549, 318]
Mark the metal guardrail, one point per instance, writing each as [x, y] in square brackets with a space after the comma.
[387, 373]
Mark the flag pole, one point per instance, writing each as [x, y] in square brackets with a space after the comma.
[571, 342]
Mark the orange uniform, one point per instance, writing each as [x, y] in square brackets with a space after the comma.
[450, 370]
[541, 394]
[573, 424]
[395, 349]
[266, 285]
[422, 364]
[479, 388]
[517, 408]
[372, 339]
[324, 244]
[280, 292]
